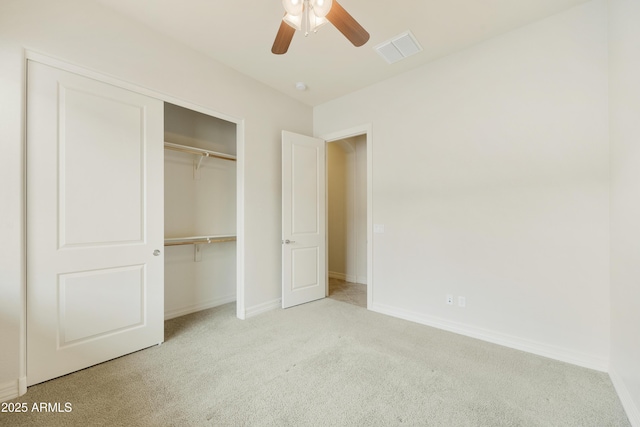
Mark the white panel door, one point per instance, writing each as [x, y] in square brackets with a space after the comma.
[304, 256]
[95, 217]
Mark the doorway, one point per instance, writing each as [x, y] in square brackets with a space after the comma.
[305, 269]
[347, 215]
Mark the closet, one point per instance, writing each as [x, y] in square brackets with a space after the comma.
[100, 160]
[199, 211]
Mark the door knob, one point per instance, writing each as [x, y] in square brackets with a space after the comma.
[286, 242]
[156, 252]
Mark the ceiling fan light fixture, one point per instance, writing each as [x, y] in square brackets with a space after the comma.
[321, 7]
[293, 7]
[313, 22]
[294, 21]
[306, 17]
[317, 22]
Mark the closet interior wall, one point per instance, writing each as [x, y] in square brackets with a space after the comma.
[199, 201]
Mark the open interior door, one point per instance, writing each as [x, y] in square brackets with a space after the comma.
[95, 269]
[304, 253]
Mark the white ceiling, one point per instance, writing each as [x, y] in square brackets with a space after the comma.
[239, 33]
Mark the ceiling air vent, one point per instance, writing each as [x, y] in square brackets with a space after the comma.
[399, 47]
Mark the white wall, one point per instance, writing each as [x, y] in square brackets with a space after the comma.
[624, 102]
[94, 37]
[491, 176]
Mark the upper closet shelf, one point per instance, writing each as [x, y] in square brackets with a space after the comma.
[199, 151]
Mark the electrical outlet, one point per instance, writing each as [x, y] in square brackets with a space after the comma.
[449, 299]
[462, 302]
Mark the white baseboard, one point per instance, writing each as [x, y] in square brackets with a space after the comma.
[348, 277]
[182, 311]
[541, 349]
[263, 308]
[22, 385]
[338, 275]
[630, 407]
[9, 390]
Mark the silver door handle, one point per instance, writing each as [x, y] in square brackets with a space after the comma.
[156, 252]
[286, 242]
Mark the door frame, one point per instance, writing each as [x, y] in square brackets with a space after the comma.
[366, 130]
[30, 55]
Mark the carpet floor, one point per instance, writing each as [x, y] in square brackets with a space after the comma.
[325, 363]
[352, 293]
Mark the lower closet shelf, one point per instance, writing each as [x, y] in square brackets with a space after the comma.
[197, 240]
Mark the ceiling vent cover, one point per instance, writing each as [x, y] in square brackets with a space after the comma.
[399, 47]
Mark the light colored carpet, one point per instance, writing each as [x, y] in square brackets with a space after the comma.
[352, 293]
[325, 363]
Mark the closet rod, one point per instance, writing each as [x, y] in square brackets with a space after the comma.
[200, 151]
[177, 242]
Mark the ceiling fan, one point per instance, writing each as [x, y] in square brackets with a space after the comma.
[309, 15]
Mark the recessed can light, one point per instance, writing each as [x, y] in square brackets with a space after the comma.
[301, 86]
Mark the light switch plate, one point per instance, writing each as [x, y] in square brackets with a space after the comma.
[378, 228]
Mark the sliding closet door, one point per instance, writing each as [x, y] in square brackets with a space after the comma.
[94, 222]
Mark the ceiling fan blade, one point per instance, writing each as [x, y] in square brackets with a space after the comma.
[283, 39]
[348, 26]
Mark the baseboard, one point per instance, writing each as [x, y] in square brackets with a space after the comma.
[538, 348]
[262, 308]
[361, 280]
[22, 385]
[177, 312]
[346, 277]
[337, 275]
[9, 390]
[630, 407]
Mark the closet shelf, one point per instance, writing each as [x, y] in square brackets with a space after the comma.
[197, 240]
[198, 151]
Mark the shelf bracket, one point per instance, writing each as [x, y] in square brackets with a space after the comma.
[197, 250]
[197, 164]
[200, 161]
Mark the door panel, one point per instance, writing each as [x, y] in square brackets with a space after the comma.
[304, 270]
[304, 188]
[116, 146]
[87, 300]
[94, 218]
